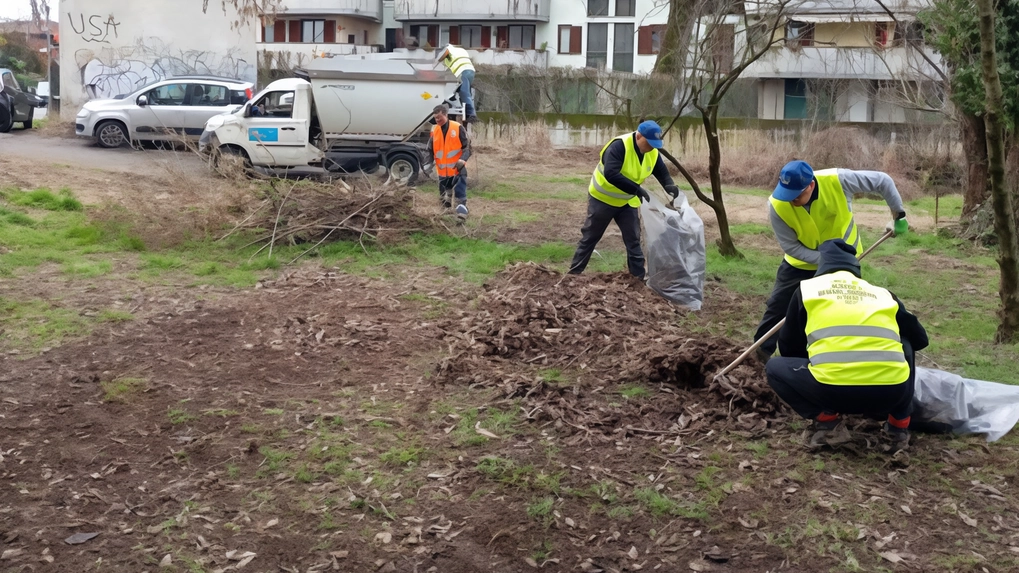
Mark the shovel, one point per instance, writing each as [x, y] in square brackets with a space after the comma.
[774, 330]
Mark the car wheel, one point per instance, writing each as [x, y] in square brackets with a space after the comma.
[403, 168]
[6, 115]
[27, 124]
[110, 134]
[229, 160]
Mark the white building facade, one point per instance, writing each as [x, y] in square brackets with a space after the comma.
[613, 35]
[844, 60]
[112, 47]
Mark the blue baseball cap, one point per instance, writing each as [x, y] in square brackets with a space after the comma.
[652, 132]
[794, 178]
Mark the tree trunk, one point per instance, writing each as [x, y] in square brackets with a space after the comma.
[974, 146]
[1001, 199]
[676, 40]
[726, 246]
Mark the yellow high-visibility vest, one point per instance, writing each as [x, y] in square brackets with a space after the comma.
[457, 60]
[633, 169]
[852, 335]
[829, 218]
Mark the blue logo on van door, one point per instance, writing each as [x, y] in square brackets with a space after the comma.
[264, 134]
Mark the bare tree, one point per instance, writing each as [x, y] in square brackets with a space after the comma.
[727, 37]
[1004, 222]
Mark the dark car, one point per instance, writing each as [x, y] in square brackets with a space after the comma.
[16, 106]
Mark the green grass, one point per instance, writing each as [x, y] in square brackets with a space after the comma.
[659, 505]
[634, 392]
[118, 389]
[45, 199]
[179, 416]
[35, 324]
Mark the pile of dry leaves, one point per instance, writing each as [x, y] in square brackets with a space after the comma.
[611, 327]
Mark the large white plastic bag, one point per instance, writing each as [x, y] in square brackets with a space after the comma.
[968, 406]
[675, 251]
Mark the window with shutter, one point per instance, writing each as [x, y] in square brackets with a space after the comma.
[644, 40]
[329, 36]
[576, 43]
[501, 37]
[622, 48]
[295, 31]
[454, 35]
[279, 31]
[486, 36]
[433, 36]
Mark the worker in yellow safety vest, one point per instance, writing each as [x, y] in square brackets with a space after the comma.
[458, 60]
[807, 208]
[847, 347]
[615, 193]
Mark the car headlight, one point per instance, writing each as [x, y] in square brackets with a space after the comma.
[83, 114]
[215, 122]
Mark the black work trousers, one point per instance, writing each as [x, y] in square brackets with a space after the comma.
[787, 280]
[599, 215]
[795, 384]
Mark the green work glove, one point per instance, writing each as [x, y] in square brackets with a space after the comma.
[899, 226]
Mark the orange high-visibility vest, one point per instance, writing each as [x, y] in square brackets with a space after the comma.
[447, 149]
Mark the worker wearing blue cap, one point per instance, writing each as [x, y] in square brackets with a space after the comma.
[808, 208]
[615, 193]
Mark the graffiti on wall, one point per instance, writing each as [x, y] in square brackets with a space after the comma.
[93, 27]
[109, 72]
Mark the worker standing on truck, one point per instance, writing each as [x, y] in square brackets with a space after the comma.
[847, 348]
[807, 208]
[450, 149]
[459, 62]
[615, 193]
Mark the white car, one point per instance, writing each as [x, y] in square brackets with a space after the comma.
[170, 109]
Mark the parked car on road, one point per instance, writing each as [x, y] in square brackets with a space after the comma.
[168, 110]
[16, 105]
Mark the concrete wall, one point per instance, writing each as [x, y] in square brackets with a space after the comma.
[845, 35]
[771, 99]
[111, 47]
[854, 103]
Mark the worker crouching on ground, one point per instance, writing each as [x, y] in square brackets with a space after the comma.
[450, 149]
[847, 348]
[615, 193]
[807, 208]
[458, 60]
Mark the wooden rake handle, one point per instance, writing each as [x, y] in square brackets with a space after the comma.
[739, 359]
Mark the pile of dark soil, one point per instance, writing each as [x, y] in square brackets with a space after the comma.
[610, 329]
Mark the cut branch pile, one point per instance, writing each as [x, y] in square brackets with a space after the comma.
[300, 212]
[611, 327]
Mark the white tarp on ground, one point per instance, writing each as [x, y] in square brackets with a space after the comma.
[967, 406]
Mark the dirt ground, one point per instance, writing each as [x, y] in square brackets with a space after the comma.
[322, 421]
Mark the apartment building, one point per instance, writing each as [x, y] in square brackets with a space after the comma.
[619, 35]
[306, 29]
[844, 60]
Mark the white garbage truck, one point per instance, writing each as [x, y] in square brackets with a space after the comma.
[343, 115]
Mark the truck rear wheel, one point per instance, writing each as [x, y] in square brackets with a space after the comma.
[403, 168]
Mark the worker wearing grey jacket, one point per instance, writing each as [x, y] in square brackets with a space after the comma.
[808, 208]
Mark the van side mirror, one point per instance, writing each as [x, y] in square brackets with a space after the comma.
[142, 101]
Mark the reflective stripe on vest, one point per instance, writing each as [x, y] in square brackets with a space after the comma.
[829, 218]
[457, 60]
[852, 336]
[633, 169]
[446, 150]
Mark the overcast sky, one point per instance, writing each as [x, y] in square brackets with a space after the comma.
[19, 9]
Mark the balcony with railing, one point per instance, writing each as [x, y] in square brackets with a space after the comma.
[471, 10]
[488, 57]
[875, 63]
[368, 9]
